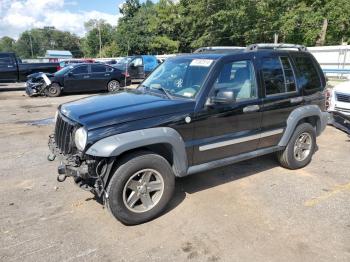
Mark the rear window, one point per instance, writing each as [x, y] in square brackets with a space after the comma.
[5, 59]
[308, 75]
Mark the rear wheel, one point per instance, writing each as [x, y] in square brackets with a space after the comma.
[113, 86]
[140, 188]
[54, 90]
[300, 148]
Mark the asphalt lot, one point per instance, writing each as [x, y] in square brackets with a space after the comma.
[251, 211]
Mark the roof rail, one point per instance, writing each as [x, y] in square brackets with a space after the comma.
[218, 49]
[255, 47]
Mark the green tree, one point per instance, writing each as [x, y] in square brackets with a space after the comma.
[35, 42]
[7, 44]
[99, 34]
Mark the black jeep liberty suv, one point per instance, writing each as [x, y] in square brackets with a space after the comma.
[193, 113]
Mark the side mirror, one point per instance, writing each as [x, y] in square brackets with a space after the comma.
[132, 64]
[69, 74]
[223, 96]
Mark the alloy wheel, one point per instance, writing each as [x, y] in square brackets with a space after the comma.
[143, 190]
[302, 146]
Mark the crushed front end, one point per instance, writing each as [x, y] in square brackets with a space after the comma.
[88, 172]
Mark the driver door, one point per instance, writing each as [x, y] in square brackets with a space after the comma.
[136, 69]
[225, 129]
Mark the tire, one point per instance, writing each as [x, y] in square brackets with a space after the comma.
[131, 208]
[298, 154]
[54, 90]
[113, 86]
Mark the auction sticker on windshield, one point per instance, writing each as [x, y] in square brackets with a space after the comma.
[201, 62]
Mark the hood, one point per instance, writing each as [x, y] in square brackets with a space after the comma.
[343, 88]
[111, 109]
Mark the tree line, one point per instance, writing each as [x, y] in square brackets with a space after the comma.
[182, 26]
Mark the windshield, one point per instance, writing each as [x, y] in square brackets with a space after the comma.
[181, 77]
[125, 60]
[64, 70]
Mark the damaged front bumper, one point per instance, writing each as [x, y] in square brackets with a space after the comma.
[89, 173]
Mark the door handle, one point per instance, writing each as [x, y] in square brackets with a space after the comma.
[107, 74]
[10, 66]
[252, 108]
[86, 76]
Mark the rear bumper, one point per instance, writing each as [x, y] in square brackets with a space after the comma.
[325, 116]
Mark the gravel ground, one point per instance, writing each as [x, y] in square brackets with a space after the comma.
[251, 211]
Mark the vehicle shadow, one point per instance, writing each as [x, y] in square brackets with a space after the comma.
[216, 177]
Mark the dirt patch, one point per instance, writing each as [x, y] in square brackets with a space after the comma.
[31, 106]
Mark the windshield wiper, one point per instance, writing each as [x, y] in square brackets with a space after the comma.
[164, 90]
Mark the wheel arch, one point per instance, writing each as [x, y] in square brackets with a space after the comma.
[164, 141]
[306, 114]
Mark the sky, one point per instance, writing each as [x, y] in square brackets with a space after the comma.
[17, 16]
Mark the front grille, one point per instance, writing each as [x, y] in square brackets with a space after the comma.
[346, 110]
[64, 134]
[343, 97]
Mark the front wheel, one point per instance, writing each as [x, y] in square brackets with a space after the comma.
[140, 188]
[300, 148]
[113, 86]
[54, 90]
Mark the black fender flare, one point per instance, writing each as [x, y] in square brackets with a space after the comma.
[113, 146]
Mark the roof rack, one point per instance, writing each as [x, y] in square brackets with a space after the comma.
[255, 47]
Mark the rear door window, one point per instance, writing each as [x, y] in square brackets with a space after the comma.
[309, 78]
[278, 75]
[98, 69]
[81, 70]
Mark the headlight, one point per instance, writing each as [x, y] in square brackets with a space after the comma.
[80, 138]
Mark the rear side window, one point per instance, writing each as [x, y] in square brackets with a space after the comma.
[308, 78]
[80, 70]
[288, 74]
[5, 59]
[278, 75]
[98, 69]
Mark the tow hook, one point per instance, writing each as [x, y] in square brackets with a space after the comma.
[51, 157]
[61, 173]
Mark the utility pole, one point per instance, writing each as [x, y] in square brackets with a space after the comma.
[31, 45]
[100, 37]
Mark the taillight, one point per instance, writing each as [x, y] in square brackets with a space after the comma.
[58, 68]
[328, 97]
[126, 74]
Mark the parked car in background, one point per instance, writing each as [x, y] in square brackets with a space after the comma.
[65, 63]
[78, 78]
[193, 113]
[138, 67]
[13, 70]
[338, 104]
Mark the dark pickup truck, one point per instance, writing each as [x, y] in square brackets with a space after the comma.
[13, 70]
[193, 113]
